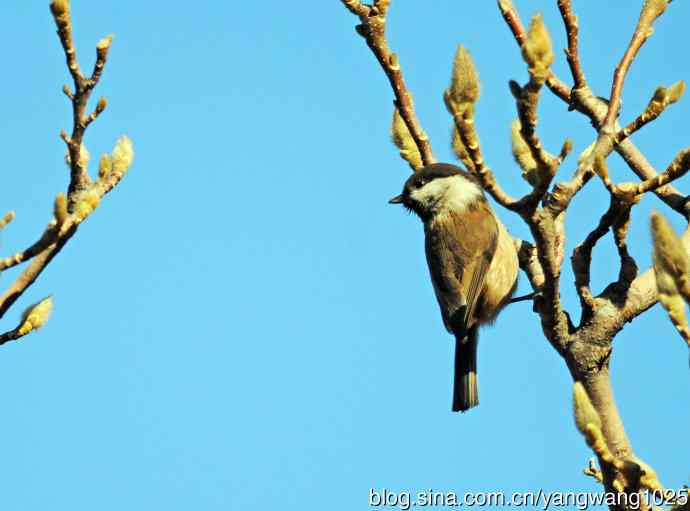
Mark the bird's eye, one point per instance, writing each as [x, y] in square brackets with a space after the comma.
[420, 183]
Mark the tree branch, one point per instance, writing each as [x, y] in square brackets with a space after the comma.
[78, 159]
[572, 53]
[651, 10]
[373, 30]
[83, 194]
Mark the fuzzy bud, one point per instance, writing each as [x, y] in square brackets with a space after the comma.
[84, 157]
[537, 51]
[675, 92]
[671, 262]
[36, 316]
[464, 84]
[460, 150]
[585, 414]
[105, 166]
[123, 155]
[9, 216]
[85, 203]
[104, 43]
[522, 154]
[100, 106]
[60, 208]
[403, 140]
[566, 149]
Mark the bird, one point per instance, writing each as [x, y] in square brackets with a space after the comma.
[472, 261]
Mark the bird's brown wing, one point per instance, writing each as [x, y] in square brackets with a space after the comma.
[459, 250]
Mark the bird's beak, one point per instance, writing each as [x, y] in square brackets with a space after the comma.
[398, 199]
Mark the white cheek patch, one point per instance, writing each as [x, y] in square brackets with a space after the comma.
[430, 192]
[452, 192]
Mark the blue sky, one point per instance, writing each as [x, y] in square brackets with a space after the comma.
[245, 323]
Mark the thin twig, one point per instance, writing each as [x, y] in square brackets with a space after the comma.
[527, 99]
[650, 11]
[12, 335]
[572, 52]
[83, 86]
[373, 30]
[678, 168]
[661, 99]
[464, 123]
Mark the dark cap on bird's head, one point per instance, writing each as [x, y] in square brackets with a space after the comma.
[423, 191]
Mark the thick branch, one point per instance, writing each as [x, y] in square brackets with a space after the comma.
[555, 322]
[598, 386]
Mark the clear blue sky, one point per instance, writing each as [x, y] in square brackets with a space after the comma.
[245, 323]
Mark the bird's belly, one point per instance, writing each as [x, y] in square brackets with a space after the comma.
[501, 279]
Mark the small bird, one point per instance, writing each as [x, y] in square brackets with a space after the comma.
[471, 257]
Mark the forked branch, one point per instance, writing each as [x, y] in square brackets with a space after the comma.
[83, 194]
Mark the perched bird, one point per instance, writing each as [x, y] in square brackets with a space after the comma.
[471, 257]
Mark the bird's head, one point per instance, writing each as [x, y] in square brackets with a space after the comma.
[439, 188]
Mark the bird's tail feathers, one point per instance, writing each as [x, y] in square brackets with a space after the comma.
[465, 386]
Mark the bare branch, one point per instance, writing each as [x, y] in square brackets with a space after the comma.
[678, 167]
[63, 20]
[83, 86]
[546, 166]
[572, 52]
[662, 98]
[513, 21]
[373, 30]
[651, 10]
